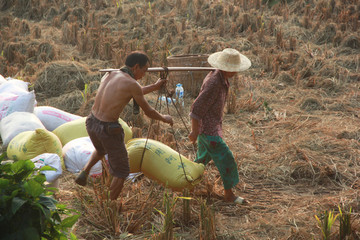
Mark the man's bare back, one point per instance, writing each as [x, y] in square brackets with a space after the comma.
[116, 90]
[114, 93]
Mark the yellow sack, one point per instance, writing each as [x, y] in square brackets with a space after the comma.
[29, 144]
[77, 129]
[162, 164]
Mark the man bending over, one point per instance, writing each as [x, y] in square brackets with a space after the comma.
[116, 89]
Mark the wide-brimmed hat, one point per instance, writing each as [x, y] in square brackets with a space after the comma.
[229, 60]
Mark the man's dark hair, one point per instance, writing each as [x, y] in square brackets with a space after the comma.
[136, 57]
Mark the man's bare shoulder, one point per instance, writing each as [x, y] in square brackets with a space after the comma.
[117, 75]
[123, 80]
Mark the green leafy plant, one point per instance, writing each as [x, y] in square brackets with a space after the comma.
[267, 107]
[169, 202]
[27, 209]
[345, 222]
[207, 221]
[84, 94]
[150, 6]
[119, 3]
[186, 207]
[325, 222]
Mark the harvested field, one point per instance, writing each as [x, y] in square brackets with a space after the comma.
[292, 120]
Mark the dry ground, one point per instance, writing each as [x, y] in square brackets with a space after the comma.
[292, 120]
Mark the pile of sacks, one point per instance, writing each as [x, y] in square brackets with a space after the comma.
[43, 134]
[53, 137]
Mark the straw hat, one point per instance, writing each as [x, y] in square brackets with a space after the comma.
[229, 60]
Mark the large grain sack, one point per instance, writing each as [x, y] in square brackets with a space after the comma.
[76, 154]
[163, 164]
[29, 144]
[18, 122]
[10, 103]
[77, 129]
[2, 80]
[49, 159]
[14, 86]
[71, 130]
[52, 117]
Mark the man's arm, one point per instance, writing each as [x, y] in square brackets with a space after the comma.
[148, 110]
[153, 87]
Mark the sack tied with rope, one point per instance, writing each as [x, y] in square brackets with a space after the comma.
[163, 164]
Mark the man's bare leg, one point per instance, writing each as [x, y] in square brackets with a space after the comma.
[81, 179]
[94, 158]
[116, 186]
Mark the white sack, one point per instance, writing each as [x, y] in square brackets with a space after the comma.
[14, 86]
[52, 160]
[18, 122]
[52, 117]
[10, 103]
[2, 79]
[76, 154]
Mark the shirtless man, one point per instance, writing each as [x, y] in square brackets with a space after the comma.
[115, 91]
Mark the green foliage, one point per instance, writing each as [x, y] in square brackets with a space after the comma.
[169, 203]
[207, 221]
[345, 223]
[186, 207]
[85, 93]
[325, 222]
[267, 108]
[27, 210]
[119, 3]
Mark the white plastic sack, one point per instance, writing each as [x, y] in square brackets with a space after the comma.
[18, 122]
[52, 160]
[52, 117]
[76, 154]
[2, 79]
[10, 103]
[14, 86]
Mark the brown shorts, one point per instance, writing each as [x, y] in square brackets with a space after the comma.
[108, 137]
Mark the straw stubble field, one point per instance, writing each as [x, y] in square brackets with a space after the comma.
[292, 120]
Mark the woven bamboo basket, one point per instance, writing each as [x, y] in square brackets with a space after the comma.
[191, 80]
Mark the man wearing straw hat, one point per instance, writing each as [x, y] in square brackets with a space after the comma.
[207, 115]
[115, 91]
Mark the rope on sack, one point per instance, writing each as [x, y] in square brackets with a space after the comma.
[176, 142]
[167, 94]
[163, 75]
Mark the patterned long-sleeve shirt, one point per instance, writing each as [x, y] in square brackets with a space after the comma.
[208, 107]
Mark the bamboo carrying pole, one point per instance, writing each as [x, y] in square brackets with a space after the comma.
[164, 69]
